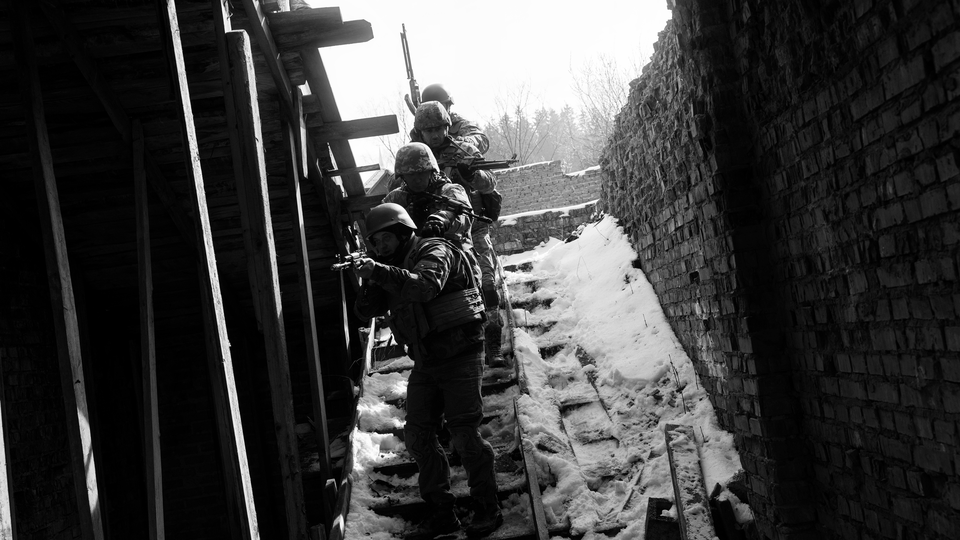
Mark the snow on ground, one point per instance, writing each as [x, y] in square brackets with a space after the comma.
[594, 305]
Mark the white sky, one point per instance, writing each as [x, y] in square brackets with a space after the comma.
[607, 307]
[480, 50]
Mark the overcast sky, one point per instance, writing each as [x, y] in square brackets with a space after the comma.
[482, 50]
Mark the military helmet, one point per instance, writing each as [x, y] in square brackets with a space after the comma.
[431, 114]
[415, 157]
[387, 215]
[436, 92]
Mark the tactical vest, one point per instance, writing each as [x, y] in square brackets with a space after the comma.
[414, 324]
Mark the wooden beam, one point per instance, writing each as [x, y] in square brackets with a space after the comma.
[148, 349]
[233, 450]
[264, 38]
[325, 35]
[83, 461]
[353, 129]
[303, 20]
[341, 172]
[75, 45]
[8, 525]
[361, 204]
[296, 147]
[690, 494]
[533, 481]
[320, 86]
[254, 195]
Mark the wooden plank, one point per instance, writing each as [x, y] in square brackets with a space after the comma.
[320, 86]
[8, 525]
[361, 204]
[148, 350]
[342, 172]
[254, 194]
[303, 20]
[296, 148]
[239, 489]
[690, 493]
[533, 482]
[325, 35]
[75, 45]
[264, 38]
[82, 459]
[353, 129]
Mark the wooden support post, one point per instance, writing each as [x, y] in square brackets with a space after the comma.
[8, 525]
[239, 489]
[148, 352]
[82, 459]
[254, 195]
[295, 149]
[693, 507]
[320, 86]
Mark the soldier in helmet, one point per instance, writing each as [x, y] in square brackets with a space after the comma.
[461, 129]
[432, 123]
[435, 310]
[419, 174]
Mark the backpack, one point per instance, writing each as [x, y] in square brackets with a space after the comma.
[492, 202]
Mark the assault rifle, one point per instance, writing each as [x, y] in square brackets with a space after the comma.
[347, 261]
[458, 207]
[413, 98]
[476, 163]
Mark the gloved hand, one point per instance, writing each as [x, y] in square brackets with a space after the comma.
[465, 172]
[436, 225]
[364, 267]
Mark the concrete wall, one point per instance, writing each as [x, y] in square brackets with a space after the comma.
[517, 233]
[787, 172]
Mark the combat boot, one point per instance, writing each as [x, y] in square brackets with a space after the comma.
[486, 519]
[442, 522]
[492, 335]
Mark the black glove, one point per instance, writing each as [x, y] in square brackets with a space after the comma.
[436, 225]
[465, 172]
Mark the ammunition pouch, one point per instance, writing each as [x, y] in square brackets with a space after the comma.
[426, 328]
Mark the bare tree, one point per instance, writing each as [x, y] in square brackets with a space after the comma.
[515, 132]
[602, 86]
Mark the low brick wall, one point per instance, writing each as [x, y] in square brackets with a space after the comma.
[522, 232]
[539, 186]
[540, 202]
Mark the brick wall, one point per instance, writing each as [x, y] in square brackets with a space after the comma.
[517, 233]
[541, 202]
[42, 481]
[787, 172]
[539, 186]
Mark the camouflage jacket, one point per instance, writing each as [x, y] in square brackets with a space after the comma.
[420, 208]
[483, 182]
[432, 272]
[462, 131]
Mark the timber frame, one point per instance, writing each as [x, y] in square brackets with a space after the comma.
[175, 181]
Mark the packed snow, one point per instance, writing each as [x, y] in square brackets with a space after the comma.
[600, 461]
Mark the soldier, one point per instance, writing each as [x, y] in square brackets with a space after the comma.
[432, 123]
[419, 175]
[435, 310]
[461, 129]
